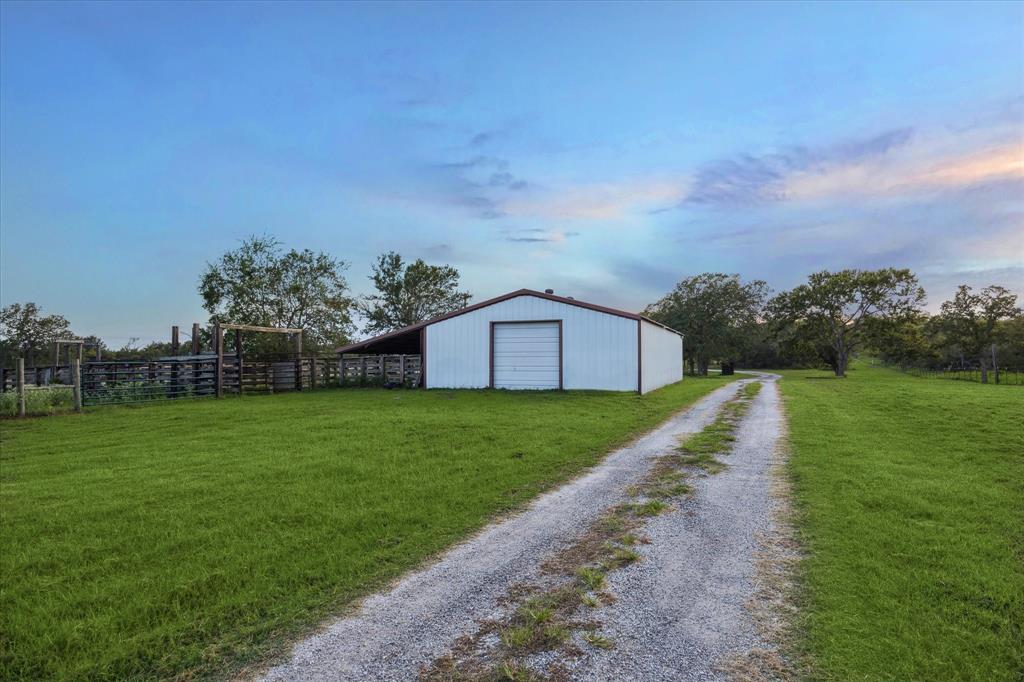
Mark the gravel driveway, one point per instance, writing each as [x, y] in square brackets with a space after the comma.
[678, 610]
[681, 610]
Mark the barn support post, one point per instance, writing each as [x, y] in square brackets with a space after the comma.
[76, 382]
[21, 387]
[218, 348]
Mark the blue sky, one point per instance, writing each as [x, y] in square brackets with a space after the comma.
[605, 151]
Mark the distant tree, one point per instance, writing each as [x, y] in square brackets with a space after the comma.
[260, 284]
[409, 293]
[26, 333]
[972, 321]
[836, 312]
[908, 342]
[717, 314]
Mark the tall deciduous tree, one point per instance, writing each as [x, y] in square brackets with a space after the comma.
[971, 320]
[836, 312]
[410, 293]
[716, 313]
[25, 332]
[261, 284]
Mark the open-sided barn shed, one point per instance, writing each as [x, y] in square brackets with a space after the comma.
[535, 340]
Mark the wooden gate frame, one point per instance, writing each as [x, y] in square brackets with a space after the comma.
[218, 344]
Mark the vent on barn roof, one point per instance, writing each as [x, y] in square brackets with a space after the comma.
[549, 291]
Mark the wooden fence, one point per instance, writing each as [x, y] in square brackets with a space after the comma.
[200, 376]
[277, 376]
[371, 370]
[35, 376]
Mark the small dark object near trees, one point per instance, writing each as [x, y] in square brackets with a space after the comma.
[728, 369]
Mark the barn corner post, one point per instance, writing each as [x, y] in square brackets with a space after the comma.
[639, 357]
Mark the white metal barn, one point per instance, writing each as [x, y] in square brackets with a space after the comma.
[536, 340]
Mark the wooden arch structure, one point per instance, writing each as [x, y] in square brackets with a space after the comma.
[218, 346]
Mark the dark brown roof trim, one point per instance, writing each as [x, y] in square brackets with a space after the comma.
[498, 299]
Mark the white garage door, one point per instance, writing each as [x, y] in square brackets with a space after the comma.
[526, 355]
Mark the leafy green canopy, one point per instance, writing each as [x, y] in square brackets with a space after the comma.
[716, 313]
[26, 333]
[260, 284]
[837, 312]
[409, 293]
[971, 320]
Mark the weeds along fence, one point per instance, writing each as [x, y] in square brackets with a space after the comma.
[1002, 376]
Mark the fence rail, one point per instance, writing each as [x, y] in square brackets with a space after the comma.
[1005, 376]
[197, 376]
[105, 383]
[370, 370]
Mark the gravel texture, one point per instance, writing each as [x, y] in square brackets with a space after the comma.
[681, 609]
[393, 633]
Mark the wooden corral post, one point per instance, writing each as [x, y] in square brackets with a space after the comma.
[401, 369]
[218, 347]
[76, 381]
[298, 361]
[238, 357]
[312, 374]
[364, 370]
[21, 387]
[195, 338]
[175, 347]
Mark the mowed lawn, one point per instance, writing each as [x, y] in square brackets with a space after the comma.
[910, 494]
[195, 538]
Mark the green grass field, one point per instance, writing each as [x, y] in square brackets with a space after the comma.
[194, 538]
[910, 496]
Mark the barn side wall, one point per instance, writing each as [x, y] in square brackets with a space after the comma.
[662, 353]
[599, 351]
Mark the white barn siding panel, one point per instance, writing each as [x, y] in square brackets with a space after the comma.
[662, 352]
[599, 350]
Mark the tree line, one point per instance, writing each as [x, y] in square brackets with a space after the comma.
[263, 284]
[825, 321]
[834, 316]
